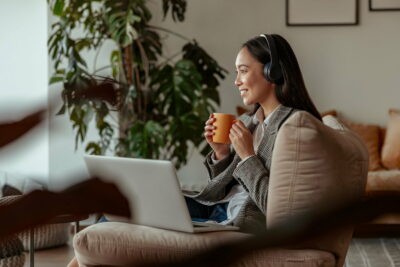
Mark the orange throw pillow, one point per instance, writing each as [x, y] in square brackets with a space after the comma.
[371, 136]
[391, 146]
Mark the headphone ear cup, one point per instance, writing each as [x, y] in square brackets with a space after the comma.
[267, 69]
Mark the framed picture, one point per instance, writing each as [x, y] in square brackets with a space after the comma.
[322, 12]
[384, 5]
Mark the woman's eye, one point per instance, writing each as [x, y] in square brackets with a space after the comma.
[243, 71]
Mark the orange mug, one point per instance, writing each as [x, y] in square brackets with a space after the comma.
[223, 123]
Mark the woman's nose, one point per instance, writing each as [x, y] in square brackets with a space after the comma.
[237, 82]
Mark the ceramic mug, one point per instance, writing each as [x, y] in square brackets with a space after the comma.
[223, 123]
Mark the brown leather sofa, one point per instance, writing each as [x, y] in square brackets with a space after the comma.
[314, 165]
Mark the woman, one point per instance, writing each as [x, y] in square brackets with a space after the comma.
[268, 77]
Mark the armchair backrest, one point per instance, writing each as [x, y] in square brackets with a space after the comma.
[315, 164]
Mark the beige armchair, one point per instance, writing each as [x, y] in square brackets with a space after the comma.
[313, 165]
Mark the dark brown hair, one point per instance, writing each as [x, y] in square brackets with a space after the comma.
[290, 92]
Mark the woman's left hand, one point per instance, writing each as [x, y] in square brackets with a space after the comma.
[242, 140]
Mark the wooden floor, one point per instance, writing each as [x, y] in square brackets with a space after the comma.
[53, 257]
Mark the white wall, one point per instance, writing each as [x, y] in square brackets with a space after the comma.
[353, 69]
[23, 82]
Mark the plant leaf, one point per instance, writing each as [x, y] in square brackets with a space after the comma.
[58, 7]
[121, 19]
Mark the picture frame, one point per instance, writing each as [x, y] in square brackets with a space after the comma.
[384, 5]
[322, 12]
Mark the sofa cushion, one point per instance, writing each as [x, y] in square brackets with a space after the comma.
[114, 243]
[371, 135]
[315, 165]
[391, 146]
[385, 180]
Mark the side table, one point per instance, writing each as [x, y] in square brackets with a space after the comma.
[67, 218]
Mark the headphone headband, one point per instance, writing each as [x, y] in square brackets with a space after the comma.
[272, 69]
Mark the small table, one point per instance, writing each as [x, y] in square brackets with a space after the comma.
[67, 218]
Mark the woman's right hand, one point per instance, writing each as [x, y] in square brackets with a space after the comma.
[220, 150]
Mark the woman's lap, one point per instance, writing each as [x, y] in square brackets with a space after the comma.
[202, 213]
[199, 212]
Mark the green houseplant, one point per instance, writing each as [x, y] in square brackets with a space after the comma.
[162, 102]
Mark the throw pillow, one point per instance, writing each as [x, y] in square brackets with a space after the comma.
[9, 190]
[370, 134]
[391, 146]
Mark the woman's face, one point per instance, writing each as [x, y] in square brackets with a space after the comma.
[250, 80]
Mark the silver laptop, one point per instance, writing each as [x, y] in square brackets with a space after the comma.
[153, 191]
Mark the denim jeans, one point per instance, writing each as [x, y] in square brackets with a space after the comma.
[202, 213]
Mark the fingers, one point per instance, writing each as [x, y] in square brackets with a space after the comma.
[238, 130]
[210, 121]
[209, 128]
[235, 130]
[238, 127]
[239, 123]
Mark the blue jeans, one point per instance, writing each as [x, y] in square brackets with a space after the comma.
[202, 213]
[102, 219]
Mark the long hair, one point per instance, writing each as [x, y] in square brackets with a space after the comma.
[291, 90]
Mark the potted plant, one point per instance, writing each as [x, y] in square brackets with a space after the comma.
[162, 102]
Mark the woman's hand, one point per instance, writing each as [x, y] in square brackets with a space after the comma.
[242, 140]
[220, 150]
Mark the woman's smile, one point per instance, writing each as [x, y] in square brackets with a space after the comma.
[243, 92]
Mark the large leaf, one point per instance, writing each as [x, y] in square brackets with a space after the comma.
[178, 87]
[120, 19]
[144, 140]
[116, 60]
[58, 7]
[57, 77]
[80, 116]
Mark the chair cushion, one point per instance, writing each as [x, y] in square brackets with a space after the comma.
[313, 165]
[114, 243]
[387, 180]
